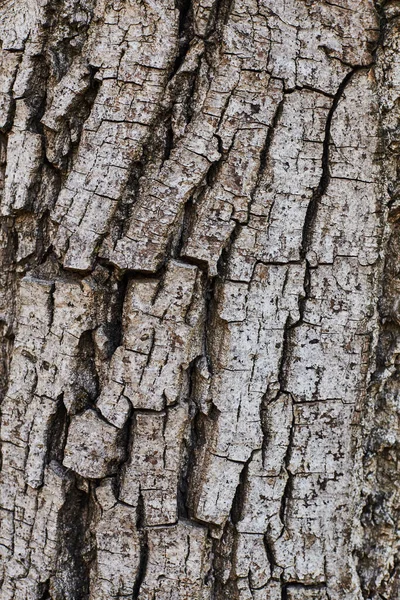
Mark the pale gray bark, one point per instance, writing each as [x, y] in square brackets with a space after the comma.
[199, 299]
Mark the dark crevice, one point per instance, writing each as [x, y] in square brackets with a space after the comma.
[187, 221]
[144, 549]
[202, 426]
[127, 435]
[120, 219]
[225, 254]
[322, 187]
[215, 167]
[185, 33]
[269, 551]
[189, 444]
[288, 342]
[287, 346]
[45, 591]
[72, 124]
[288, 491]
[224, 558]
[311, 89]
[286, 496]
[264, 426]
[114, 327]
[285, 355]
[240, 494]
[87, 384]
[222, 13]
[191, 93]
[58, 434]
[210, 320]
[169, 141]
[76, 544]
[267, 145]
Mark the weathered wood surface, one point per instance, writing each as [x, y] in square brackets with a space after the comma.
[199, 299]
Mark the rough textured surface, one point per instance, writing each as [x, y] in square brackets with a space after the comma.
[199, 314]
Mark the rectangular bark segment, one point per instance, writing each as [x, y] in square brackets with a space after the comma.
[132, 76]
[162, 323]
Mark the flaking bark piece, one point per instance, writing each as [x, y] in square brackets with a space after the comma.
[94, 448]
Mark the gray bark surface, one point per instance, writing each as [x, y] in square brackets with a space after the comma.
[199, 299]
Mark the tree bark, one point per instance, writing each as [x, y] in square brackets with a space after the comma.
[199, 299]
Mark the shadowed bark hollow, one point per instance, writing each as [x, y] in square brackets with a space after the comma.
[199, 299]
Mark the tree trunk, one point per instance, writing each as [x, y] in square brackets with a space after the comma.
[199, 299]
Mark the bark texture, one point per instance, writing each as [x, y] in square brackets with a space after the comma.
[199, 299]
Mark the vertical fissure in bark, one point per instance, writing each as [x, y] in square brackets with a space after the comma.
[169, 140]
[185, 33]
[72, 122]
[58, 433]
[46, 591]
[240, 494]
[223, 261]
[285, 354]
[288, 490]
[114, 329]
[290, 326]
[189, 212]
[209, 321]
[143, 549]
[223, 9]
[190, 443]
[89, 378]
[322, 187]
[76, 548]
[224, 579]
